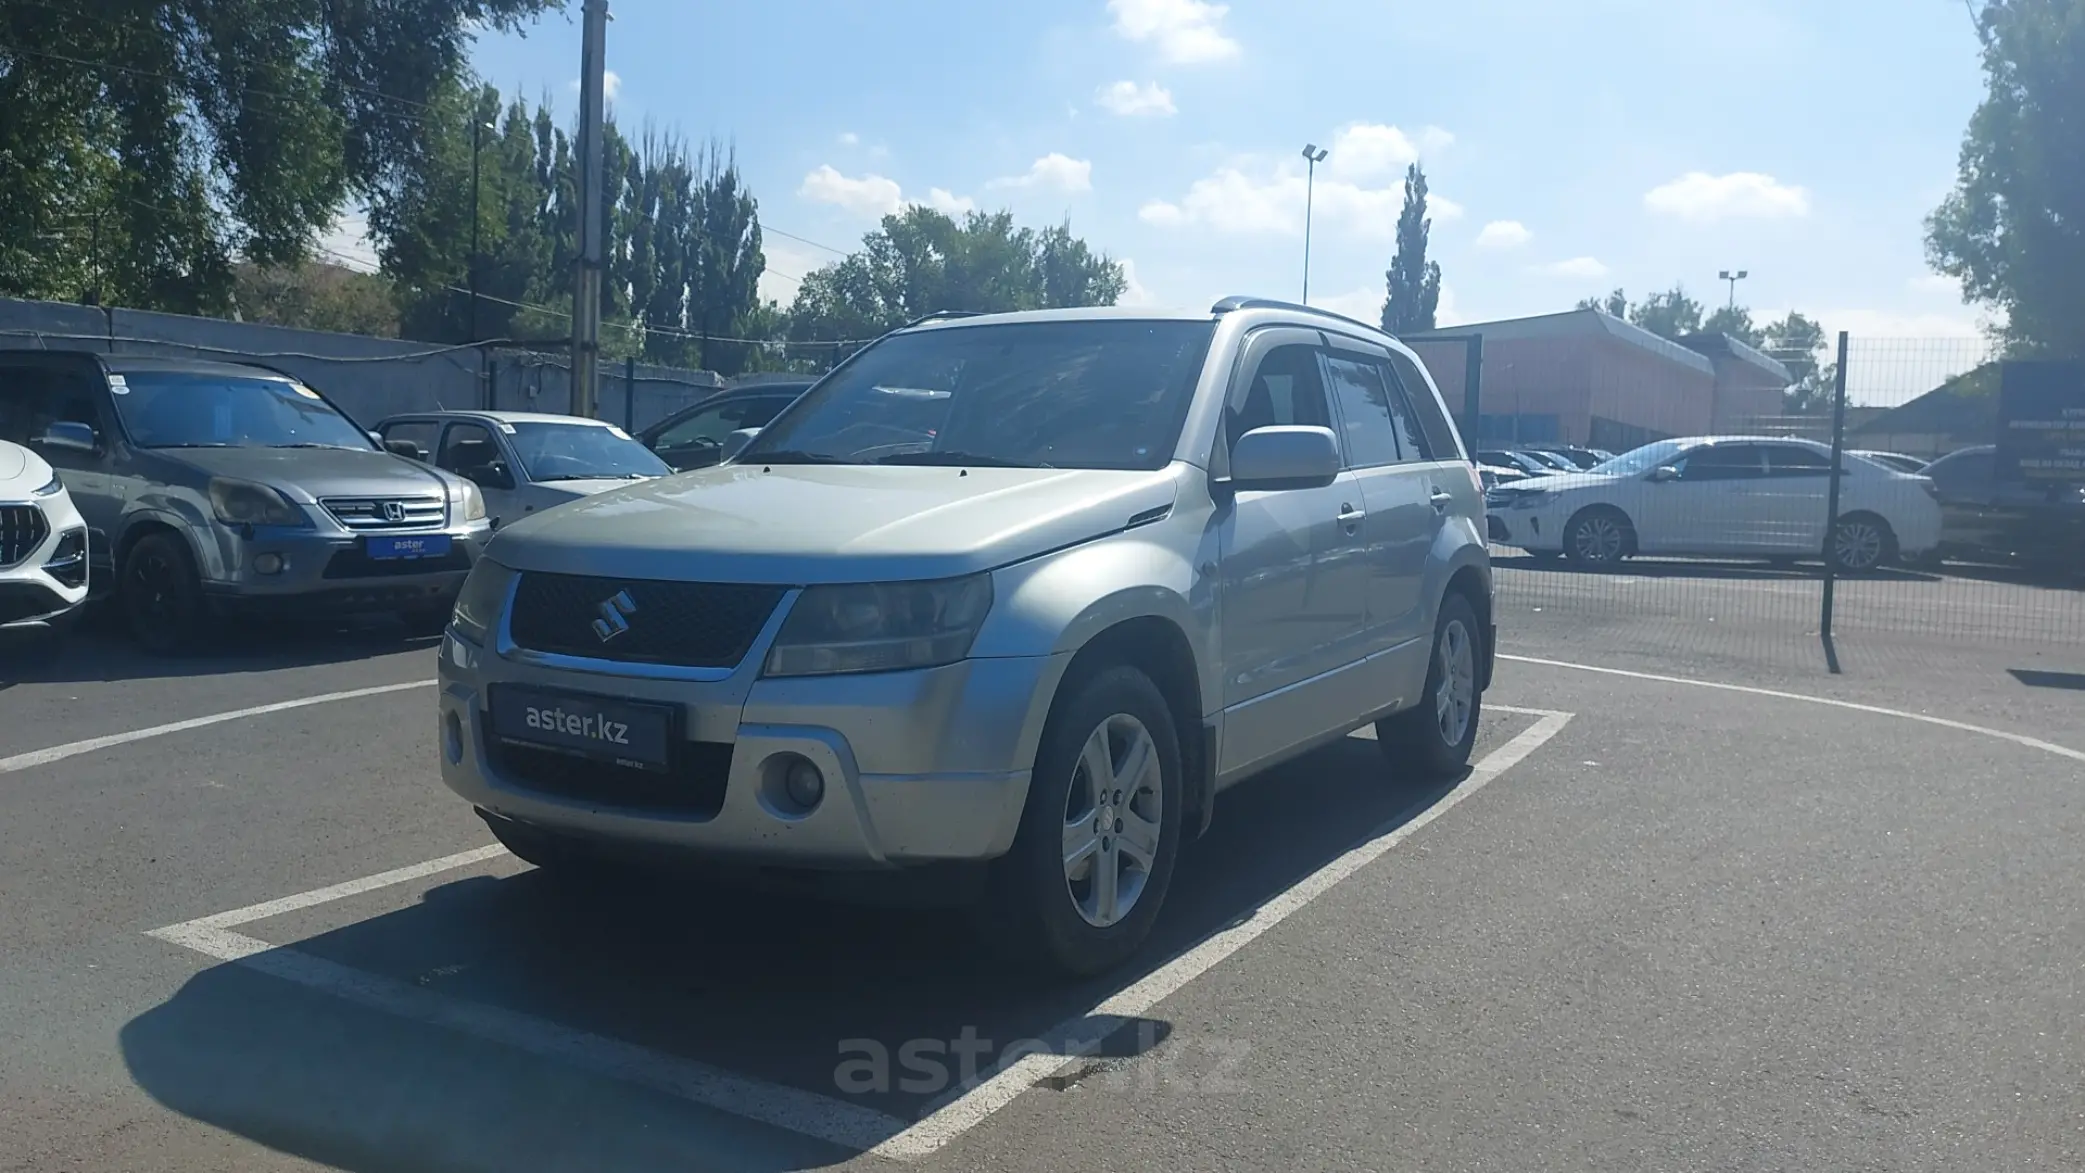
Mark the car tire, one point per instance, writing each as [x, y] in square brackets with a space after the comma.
[1433, 738]
[161, 595]
[1862, 542]
[1067, 916]
[1600, 536]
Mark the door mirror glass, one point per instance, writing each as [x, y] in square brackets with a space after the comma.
[736, 442]
[1663, 473]
[69, 436]
[1285, 457]
[405, 448]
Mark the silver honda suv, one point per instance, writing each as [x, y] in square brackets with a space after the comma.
[1024, 590]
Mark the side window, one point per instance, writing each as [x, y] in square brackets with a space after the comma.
[1371, 429]
[420, 434]
[469, 451]
[710, 424]
[1285, 390]
[754, 413]
[1724, 462]
[1432, 422]
[1787, 460]
[22, 403]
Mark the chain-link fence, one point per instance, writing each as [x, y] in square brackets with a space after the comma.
[1955, 524]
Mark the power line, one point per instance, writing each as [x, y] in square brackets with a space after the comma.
[805, 240]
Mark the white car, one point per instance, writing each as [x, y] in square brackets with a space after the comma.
[1729, 496]
[523, 461]
[43, 545]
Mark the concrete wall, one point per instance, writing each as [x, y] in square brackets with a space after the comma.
[369, 378]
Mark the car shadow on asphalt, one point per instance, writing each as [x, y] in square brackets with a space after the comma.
[98, 650]
[873, 1006]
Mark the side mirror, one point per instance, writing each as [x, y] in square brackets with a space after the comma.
[1285, 457]
[736, 442]
[1663, 473]
[405, 448]
[70, 436]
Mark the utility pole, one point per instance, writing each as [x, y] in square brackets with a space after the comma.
[586, 292]
[1316, 155]
[478, 129]
[1733, 278]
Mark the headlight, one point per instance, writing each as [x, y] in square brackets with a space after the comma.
[1532, 498]
[478, 603]
[880, 627]
[472, 501]
[49, 490]
[252, 503]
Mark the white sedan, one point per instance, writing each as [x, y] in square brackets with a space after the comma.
[1734, 496]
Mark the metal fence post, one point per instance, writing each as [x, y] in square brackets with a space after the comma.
[1831, 509]
[630, 393]
[1473, 392]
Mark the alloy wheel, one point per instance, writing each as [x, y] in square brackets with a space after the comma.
[1456, 697]
[1112, 820]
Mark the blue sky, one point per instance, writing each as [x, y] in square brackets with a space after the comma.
[1578, 146]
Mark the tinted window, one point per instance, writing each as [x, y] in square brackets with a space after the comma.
[1425, 407]
[709, 425]
[1089, 394]
[1787, 460]
[469, 450]
[182, 409]
[1368, 426]
[1286, 390]
[1723, 462]
[420, 434]
[32, 398]
[1964, 469]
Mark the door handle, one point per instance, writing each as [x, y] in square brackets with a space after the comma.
[1441, 499]
[1350, 517]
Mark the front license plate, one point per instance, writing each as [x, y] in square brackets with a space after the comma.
[387, 549]
[591, 726]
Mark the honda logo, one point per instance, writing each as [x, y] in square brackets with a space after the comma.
[613, 610]
[394, 511]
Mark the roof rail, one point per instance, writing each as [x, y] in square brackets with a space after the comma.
[1242, 302]
[938, 315]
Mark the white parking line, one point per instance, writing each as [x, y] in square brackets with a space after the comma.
[57, 753]
[802, 1112]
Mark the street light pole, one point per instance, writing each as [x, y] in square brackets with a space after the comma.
[477, 213]
[1315, 155]
[1733, 278]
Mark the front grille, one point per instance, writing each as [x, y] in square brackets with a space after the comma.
[384, 514]
[22, 529]
[691, 787]
[356, 563]
[68, 562]
[688, 624]
[27, 600]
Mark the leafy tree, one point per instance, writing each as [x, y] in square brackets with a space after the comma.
[1736, 321]
[1614, 305]
[1670, 314]
[920, 260]
[144, 146]
[2013, 230]
[315, 296]
[1799, 343]
[1413, 282]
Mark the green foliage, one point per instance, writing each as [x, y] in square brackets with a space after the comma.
[1671, 314]
[920, 261]
[144, 146]
[1736, 321]
[2013, 230]
[1799, 343]
[1413, 283]
[1614, 305]
[315, 296]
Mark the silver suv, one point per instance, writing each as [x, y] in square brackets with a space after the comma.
[1024, 590]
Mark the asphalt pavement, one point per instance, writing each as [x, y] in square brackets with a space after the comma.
[1683, 927]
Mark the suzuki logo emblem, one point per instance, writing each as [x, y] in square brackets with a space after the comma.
[613, 609]
[394, 511]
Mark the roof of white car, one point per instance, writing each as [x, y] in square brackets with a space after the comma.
[1076, 314]
[504, 417]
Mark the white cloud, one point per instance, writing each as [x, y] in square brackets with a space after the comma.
[850, 139]
[788, 262]
[1134, 292]
[611, 84]
[1700, 197]
[1371, 150]
[1363, 305]
[1131, 100]
[948, 203]
[1936, 284]
[871, 195]
[1186, 32]
[1585, 268]
[1441, 208]
[1054, 171]
[1504, 234]
[1243, 200]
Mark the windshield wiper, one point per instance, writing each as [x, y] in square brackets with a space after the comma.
[955, 459]
[308, 444]
[595, 476]
[791, 456]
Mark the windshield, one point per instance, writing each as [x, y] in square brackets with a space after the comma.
[1090, 394]
[1637, 461]
[180, 409]
[579, 452]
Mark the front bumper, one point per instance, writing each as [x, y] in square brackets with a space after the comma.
[919, 766]
[46, 585]
[271, 569]
[1525, 529]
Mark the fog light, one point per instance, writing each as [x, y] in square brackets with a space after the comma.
[452, 739]
[804, 785]
[268, 563]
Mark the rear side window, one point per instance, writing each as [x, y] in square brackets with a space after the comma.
[1964, 469]
[1724, 462]
[1425, 406]
[1373, 429]
[1791, 461]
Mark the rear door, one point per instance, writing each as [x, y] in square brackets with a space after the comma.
[1389, 460]
[1792, 501]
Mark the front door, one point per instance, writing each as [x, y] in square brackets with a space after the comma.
[1708, 507]
[472, 452]
[36, 393]
[1293, 579]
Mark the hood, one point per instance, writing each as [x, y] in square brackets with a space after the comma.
[310, 473]
[801, 524]
[586, 488]
[1562, 482]
[14, 464]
